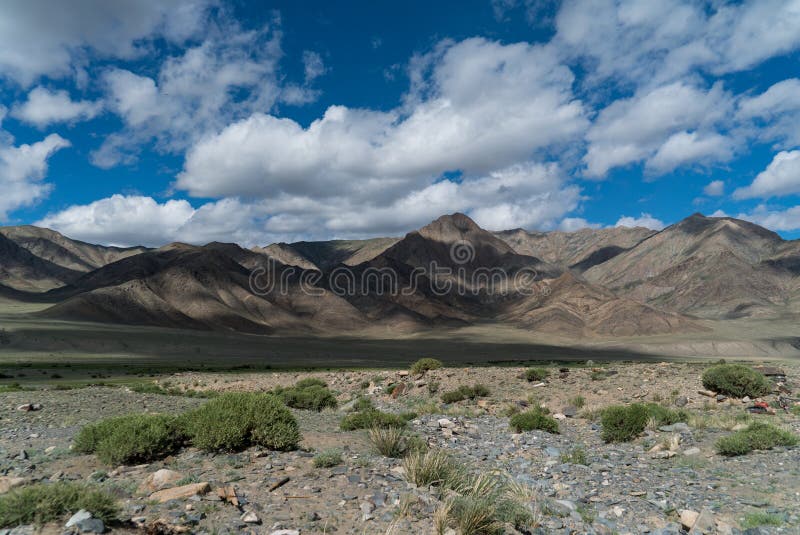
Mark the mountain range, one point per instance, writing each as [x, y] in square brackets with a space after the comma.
[613, 282]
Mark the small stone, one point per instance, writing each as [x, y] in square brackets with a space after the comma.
[679, 427]
[681, 401]
[49, 450]
[444, 423]
[559, 416]
[91, 525]
[285, 532]
[688, 518]
[81, 515]
[691, 451]
[569, 412]
[249, 517]
[704, 523]
[720, 398]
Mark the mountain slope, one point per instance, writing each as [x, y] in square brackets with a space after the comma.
[71, 254]
[708, 266]
[22, 270]
[579, 250]
[325, 255]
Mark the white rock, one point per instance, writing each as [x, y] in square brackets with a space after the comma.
[559, 416]
[80, 516]
[285, 532]
[688, 518]
[444, 423]
[250, 517]
[691, 451]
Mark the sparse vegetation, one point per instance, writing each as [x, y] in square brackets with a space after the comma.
[425, 365]
[598, 375]
[308, 394]
[536, 418]
[131, 439]
[465, 392]
[760, 518]
[536, 374]
[44, 502]
[388, 441]
[578, 402]
[168, 390]
[622, 423]
[576, 455]
[432, 467]
[369, 418]
[756, 436]
[11, 387]
[234, 421]
[736, 380]
[327, 459]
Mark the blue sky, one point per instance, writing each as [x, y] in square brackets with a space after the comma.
[155, 121]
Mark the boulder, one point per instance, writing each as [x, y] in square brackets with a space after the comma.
[7, 483]
[182, 492]
[159, 480]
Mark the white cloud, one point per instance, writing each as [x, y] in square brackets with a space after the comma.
[775, 113]
[646, 43]
[313, 65]
[715, 188]
[37, 39]
[655, 125]
[781, 177]
[774, 219]
[44, 107]
[481, 107]
[571, 224]
[21, 170]
[644, 220]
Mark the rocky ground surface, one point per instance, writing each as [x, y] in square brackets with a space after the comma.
[649, 485]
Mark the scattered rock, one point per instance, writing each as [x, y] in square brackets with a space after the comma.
[159, 480]
[91, 525]
[80, 516]
[691, 451]
[7, 483]
[688, 518]
[681, 401]
[177, 493]
[250, 517]
[444, 423]
[28, 407]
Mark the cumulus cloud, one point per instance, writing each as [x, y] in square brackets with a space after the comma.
[44, 107]
[666, 127]
[781, 177]
[481, 107]
[785, 219]
[715, 188]
[313, 66]
[650, 43]
[21, 170]
[774, 114]
[644, 220]
[36, 39]
[193, 93]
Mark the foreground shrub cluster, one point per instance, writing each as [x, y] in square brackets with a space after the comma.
[47, 502]
[229, 422]
[536, 374]
[308, 394]
[535, 418]
[465, 392]
[622, 423]
[425, 364]
[131, 439]
[756, 436]
[736, 380]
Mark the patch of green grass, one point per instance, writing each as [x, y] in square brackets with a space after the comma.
[424, 365]
[308, 394]
[367, 419]
[756, 436]
[236, 420]
[736, 380]
[12, 387]
[761, 518]
[328, 459]
[598, 375]
[43, 502]
[795, 409]
[576, 455]
[536, 374]
[388, 441]
[168, 390]
[465, 392]
[578, 402]
[130, 439]
[535, 418]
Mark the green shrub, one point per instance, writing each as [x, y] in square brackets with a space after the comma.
[536, 374]
[465, 392]
[761, 518]
[576, 455]
[44, 502]
[598, 375]
[578, 402]
[308, 394]
[131, 439]
[237, 420]
[756, 436]
[431, 467]
[310, 381]
[424, 365]
[536, 418]
[624, 423]
[327, 459]
[736, 380]
[363, 404]
[370, 418]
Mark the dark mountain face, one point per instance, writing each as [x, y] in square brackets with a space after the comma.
[609, 282]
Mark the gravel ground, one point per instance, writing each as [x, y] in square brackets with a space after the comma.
[621, 488]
